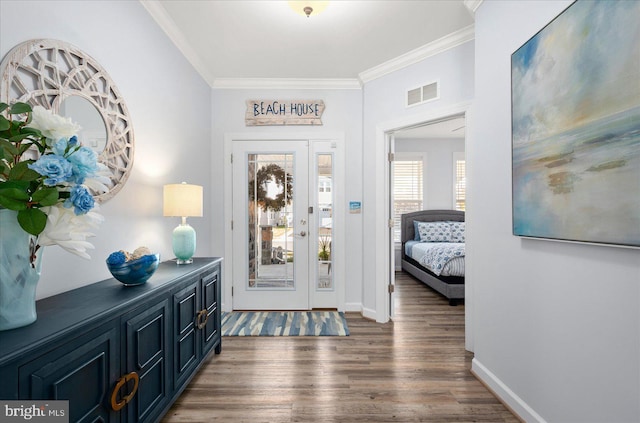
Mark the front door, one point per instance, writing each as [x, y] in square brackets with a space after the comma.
[271, 228]
[284, 196]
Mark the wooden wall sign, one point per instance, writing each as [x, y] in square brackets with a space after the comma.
[284, 112]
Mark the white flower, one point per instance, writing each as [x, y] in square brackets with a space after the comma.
[52, 126]
[69, 231]
[101, 181]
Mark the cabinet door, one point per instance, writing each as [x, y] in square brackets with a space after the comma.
[147, 353]
[185, 343]
[80, 371]
[210, 296]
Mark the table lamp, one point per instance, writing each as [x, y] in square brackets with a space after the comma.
[183, 200]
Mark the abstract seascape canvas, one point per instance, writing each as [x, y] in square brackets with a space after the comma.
[576, 126]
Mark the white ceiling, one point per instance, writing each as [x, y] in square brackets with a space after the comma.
[267, 39]
[235, 40]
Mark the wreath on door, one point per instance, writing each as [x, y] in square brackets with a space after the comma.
[266, 174]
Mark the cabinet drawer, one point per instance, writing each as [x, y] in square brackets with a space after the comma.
[148, 354]
[210, 293]
[185, 342]
[80, 371]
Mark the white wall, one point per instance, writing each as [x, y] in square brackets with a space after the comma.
[439, 167]
[170, 108]
[557, 325]
[343, 114]
[384, 104]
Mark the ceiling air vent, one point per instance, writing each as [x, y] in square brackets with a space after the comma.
[422, 94]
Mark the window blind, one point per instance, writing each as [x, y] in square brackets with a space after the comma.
[407, 190]
[461, 185]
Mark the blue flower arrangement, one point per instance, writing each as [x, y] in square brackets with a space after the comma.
[48, 177]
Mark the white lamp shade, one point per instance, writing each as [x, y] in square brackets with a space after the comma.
[182, 200]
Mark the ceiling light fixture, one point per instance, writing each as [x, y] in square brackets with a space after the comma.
[306, 8]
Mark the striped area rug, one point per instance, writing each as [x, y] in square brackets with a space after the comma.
[284, 323]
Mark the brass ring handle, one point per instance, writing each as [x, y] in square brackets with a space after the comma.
[118, 405]
[199, 322]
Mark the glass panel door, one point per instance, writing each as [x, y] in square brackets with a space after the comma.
[270, 234]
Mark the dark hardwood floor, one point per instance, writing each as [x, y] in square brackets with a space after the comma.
[414, 369]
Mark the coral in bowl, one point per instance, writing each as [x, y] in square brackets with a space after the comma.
[133, 271]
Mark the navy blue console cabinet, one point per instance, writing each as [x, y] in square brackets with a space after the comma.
[116, 353]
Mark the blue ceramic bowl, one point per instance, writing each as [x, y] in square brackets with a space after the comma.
[135, 272]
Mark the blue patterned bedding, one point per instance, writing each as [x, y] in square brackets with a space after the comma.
[442, 258]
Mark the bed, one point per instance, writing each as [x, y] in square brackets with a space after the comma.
[427, 237]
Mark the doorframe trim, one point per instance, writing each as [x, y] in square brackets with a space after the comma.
[229, 138]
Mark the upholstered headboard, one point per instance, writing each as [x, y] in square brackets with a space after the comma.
[406, 229]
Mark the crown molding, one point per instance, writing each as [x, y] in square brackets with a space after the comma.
[414, 56]
[287, 83]
[162, 18]
[472, 5]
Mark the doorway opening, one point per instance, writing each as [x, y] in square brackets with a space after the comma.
[427, 171]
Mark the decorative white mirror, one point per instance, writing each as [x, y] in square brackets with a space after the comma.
[64, 79]
[93, 132]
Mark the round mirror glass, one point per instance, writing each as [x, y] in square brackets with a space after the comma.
[93, 132]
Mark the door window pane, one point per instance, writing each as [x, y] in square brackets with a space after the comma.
[324, 170]
[270, 231]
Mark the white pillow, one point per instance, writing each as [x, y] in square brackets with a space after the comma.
[434, 231]
[457, 231]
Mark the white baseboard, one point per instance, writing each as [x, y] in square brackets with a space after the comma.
[369, 314]
[353, 307]
[506, 395]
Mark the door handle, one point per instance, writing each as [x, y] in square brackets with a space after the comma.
[118, 405]
[201, 318]
[302, 234]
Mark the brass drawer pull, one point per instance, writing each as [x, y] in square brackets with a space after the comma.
[117, 405]
[200, 323]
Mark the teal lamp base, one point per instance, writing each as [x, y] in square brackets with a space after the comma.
[184, 243]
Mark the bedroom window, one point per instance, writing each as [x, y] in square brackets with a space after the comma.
[407, 188]
[460, 182]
